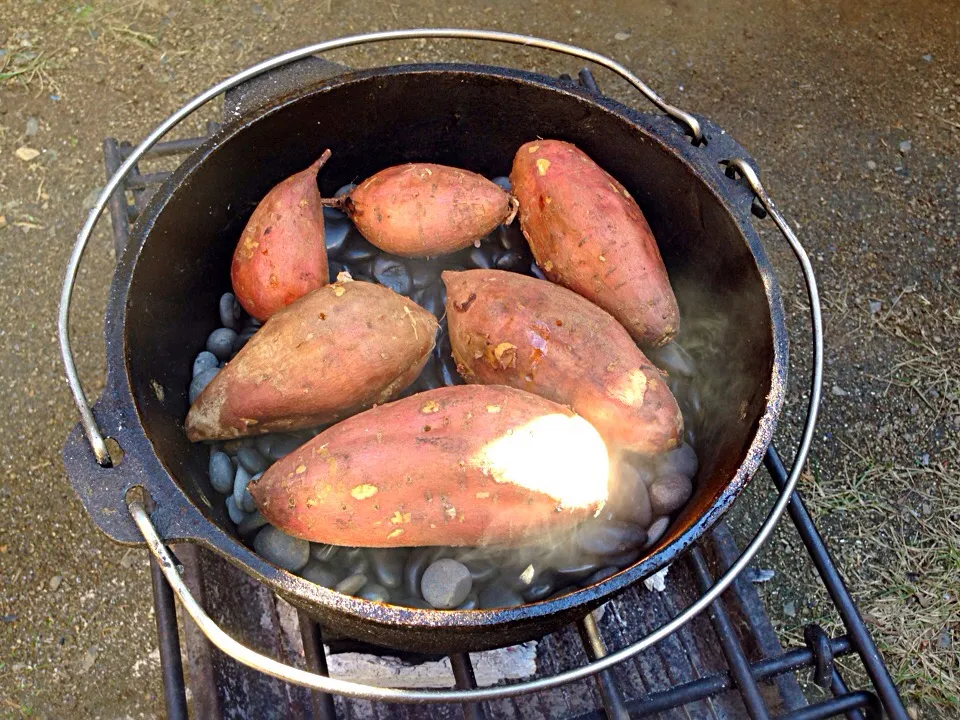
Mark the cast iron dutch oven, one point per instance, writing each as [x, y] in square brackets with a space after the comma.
[164, 294]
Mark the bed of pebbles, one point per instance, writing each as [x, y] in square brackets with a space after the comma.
[649, 491]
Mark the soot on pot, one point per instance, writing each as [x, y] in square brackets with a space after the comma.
[648, 491]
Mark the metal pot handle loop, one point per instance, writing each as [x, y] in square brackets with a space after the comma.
[351, 689]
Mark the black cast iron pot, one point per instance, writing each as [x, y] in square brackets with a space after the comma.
[164, 297]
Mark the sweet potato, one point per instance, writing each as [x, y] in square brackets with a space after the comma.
[333, 352]
[588, 234]
[463, 465]
[421, 209]
[510, 329]
[281, 254]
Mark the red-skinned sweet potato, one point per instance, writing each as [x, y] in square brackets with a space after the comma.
[422, 209]
[588, 234]
[281, 254]
[510, 329]
[333, 352]
[462, 465]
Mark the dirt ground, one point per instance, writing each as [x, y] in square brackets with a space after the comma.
[851, 110]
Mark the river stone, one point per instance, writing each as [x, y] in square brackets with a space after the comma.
[281, 549]
[446, 583]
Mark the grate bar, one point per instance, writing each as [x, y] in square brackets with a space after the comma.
[852, 621]
[119, 210]
[466, 680]
[739, 664]
[721, 682]
[316, 660]
[169, 147]
[595, 648]
[140, 181]
[835, 706]
[839, 688]
[168, 635]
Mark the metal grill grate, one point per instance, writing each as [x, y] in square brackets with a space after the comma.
[726, 664]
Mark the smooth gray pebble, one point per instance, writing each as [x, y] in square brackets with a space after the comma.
[536, 271]
[388, 564]
[281, 549]
[221, 472]
[244, 337]
[669, 493]
[323, 552]
[657, 528]
[610, 538]
[576, 568]
[422, 273]
[416, 563]
[220, 342]
[512, 261]
[471, 603]
[511, 237]
[393, 274]
[481, 570]
[682, 460]
[415, 602]
[601, 574]
[253, 521]
[482, 258]
[374, 593]
[280, 445]
[252, 460]
[624, 559]
[319, 574]
[355, 560]
[240, 481]
[204, 361]
[335, 233]
[235, 513]
[351, 584]
[446, 583]
[198, 383]
[230, 311]
[498, 596]
[357, 250]
[631, 498]
[429, 300]
[539, 590]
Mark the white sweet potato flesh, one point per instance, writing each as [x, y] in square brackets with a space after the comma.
[462, 465]
[334, 352]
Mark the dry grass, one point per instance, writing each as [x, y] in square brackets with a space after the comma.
[905, 570]
[895, 526]
[28, 66]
